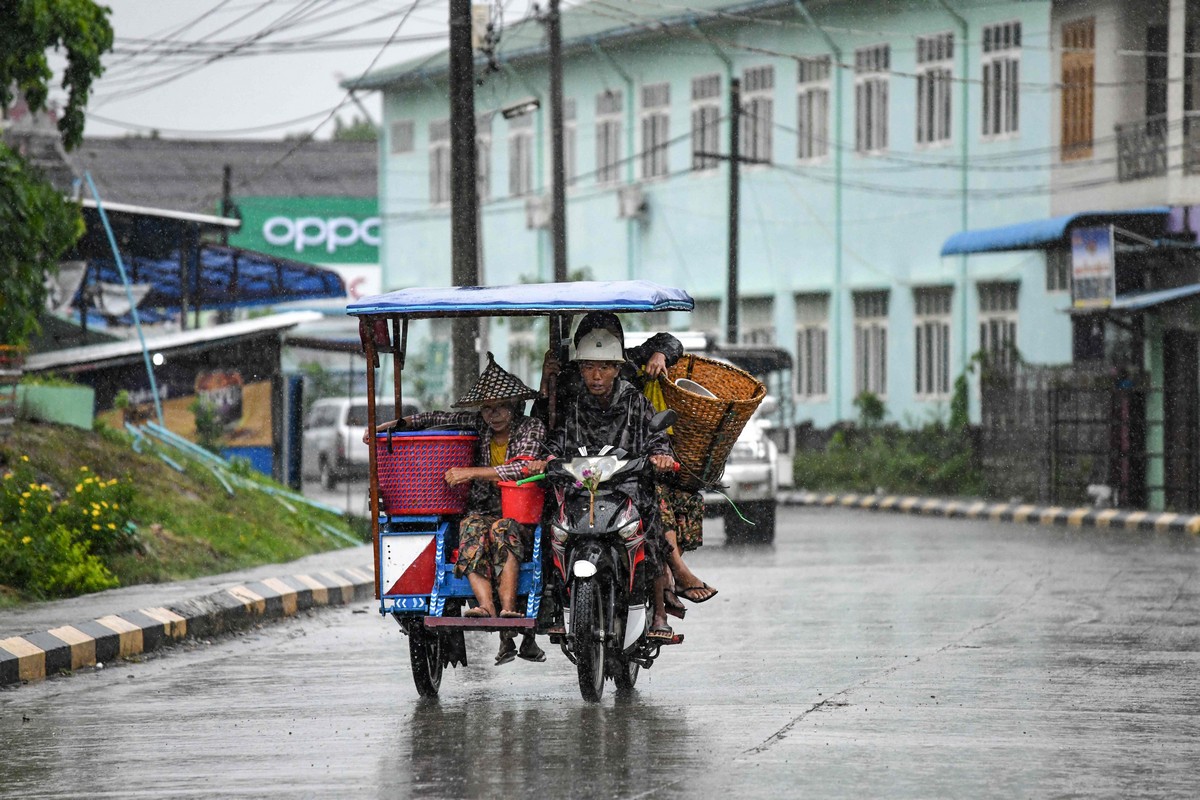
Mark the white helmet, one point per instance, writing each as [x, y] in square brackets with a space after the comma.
[599, 345]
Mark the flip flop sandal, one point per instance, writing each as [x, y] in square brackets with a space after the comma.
[511, 615]
[530, 651]
[702, 587]
[508, 651]
[663, 632]
[477, 612]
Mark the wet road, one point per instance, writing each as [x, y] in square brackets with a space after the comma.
[865, 655]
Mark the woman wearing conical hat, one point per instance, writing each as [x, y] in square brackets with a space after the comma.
[491, 547]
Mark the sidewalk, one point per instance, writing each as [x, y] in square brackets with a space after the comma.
[45, 639]
[1003, 512]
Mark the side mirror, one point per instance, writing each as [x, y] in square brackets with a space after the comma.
[663, 420]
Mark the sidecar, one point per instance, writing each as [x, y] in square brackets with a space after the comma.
[414, 513]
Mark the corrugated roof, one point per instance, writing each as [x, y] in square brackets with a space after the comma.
[186, 174]
[599, 21]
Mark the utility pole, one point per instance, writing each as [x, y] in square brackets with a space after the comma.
[464, 200]
[558, 196]
[735, 180]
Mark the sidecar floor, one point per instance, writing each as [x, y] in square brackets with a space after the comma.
[482, 623]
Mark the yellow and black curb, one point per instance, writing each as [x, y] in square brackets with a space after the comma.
[35, 656]
[1008, 512]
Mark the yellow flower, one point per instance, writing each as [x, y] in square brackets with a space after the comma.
[49, 508]
[115, 506]
[24, 458]
[95, 505]
[78, 488]
[27, 540]
[95, 527]
[7, 476]
[24, 494]
[96, 512]
[83, 469]
[104, 503]
[112, 527]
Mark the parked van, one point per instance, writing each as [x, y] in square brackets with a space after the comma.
[333, 448]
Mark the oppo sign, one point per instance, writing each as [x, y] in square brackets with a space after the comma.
[328, 233]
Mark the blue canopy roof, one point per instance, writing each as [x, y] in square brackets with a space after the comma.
[220, 277]
[1039, 232]
[526, 299]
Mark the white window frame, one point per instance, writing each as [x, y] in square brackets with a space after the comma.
[439, 162]
[932, 316]
[758, 113]
[935, 80]
[483, 158]
[706, 121]
[402, 136]
[1058, 269]
[756, 321]
[812, 347]
[872, 82]
[870, 342]
[656, 130]
[812, 109]
[608, 137]
[998, 317]
[520, 155]
[569, 139]
[1001, 87]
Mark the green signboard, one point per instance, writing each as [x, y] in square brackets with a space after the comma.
[319, 230]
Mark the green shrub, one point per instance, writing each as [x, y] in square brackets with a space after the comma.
[54, 546]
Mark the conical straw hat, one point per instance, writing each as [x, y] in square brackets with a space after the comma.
[495, 385]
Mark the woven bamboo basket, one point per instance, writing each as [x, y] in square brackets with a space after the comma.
[708, 426]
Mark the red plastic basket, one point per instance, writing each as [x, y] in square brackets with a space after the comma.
[412, 477]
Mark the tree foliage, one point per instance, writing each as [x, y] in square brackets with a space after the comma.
[29, 30]
[39, 225]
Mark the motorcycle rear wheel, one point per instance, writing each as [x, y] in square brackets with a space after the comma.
[587, 637]
[626, 677]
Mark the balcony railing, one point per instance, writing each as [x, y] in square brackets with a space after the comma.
[1142, 148]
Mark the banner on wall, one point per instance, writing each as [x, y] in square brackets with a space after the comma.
[1093, 267]
[318, 230]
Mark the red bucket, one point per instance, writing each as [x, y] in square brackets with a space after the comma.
[522, 502]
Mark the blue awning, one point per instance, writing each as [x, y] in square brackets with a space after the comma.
[220, 278]
[526, 298]
[1039, 232]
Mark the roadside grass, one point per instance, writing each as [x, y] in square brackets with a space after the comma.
[187, 524]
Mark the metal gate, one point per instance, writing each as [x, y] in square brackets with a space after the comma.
[1048, 433]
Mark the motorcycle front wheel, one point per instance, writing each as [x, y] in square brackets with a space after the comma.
[587, 637]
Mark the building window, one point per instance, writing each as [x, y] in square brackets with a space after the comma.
[483, 157]
[439, 161]
[935, 56]
[520, 155]
[872, 66]
[706, 116]
[812, 345]
[998, 324]
[758, 88]
[812, 103]
[870, 342]
[656, 120]
[706, 316]
[608, 136]
[932, 314]
[1078, 92]
[756, 320]
[403, 132]
[568, 141]
[1058, 270]
[1001, 78]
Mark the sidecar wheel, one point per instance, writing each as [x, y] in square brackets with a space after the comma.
[425, 653]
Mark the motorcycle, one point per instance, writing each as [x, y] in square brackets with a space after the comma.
[597, 541]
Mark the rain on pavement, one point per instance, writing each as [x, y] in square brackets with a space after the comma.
[864, 655]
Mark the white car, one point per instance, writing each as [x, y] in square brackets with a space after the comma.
[333, 431]
[750, 482]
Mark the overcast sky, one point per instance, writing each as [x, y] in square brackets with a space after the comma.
[221, 68]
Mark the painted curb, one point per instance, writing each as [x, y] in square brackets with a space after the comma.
[1152, 521]
[35, 656]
